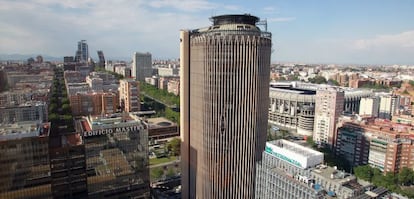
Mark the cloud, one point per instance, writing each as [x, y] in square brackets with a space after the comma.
[119, 28]
[399, 40]
[184, 5]
[192, 5]
[269, 10]
[281, 19]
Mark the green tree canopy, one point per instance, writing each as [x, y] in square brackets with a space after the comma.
[66, 109]
[364, 172]
[333, 82]
[174, 146]
[65, 100]
[406, 176]
[157, 172]
[391, 181]
[170, 173]
[318, 80]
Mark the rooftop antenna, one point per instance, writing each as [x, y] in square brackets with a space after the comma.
[262, 23]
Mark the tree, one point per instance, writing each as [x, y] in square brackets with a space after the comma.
[65, 100]
[411, 82]
[174, 146]
[364, 172]
[66, 109]
[405, 176]
[53, 117]
[318, 80]
[310, 142]
[172, 115]
[333, 82]
[157, 172]
[170, 173]
[52, 108]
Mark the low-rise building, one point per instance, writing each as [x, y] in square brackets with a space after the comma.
[289, 170]
[167, 72]
[161, 128]
[174, 86]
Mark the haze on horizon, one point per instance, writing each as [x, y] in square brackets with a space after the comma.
[367, 32]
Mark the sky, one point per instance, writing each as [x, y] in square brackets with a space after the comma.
[329, 31]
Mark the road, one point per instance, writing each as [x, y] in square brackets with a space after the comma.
[165, 164]
[170, 106]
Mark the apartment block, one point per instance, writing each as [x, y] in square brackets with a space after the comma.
[129, 95]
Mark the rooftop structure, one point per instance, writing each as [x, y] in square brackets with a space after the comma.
[116, 151]
[160, 128]
[295, 154]
[282, 174]
[23, 130]
[27, 111]
[110, 121]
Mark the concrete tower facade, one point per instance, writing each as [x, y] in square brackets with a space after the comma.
[329, 104]
[129, 95]
[224, 104]
[141, 66]
[369, 106]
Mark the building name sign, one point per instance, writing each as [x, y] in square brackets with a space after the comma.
[270, 151]
[111, 131]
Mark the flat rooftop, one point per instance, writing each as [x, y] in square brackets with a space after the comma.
[296, 148]
[333, 175]
[23, 130]
[91, 123]
[159, 122]
[291, 89]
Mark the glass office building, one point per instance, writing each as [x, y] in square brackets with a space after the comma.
[24, 160]
[116, 151]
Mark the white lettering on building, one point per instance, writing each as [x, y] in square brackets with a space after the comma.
[110, 131]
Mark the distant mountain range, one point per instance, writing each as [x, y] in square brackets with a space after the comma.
[24, 57]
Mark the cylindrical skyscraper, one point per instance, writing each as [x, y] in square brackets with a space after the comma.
[224, 106]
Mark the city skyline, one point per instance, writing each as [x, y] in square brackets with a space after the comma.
[368, 32]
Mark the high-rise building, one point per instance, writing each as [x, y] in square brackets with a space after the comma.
[39, 59]
[329, 103]
[129, 95]
[369, 106]
[388, 106]
[382, 144]
[224, 105]
[101, 59]
[352, 144]
[82, 54]
[141, 66]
